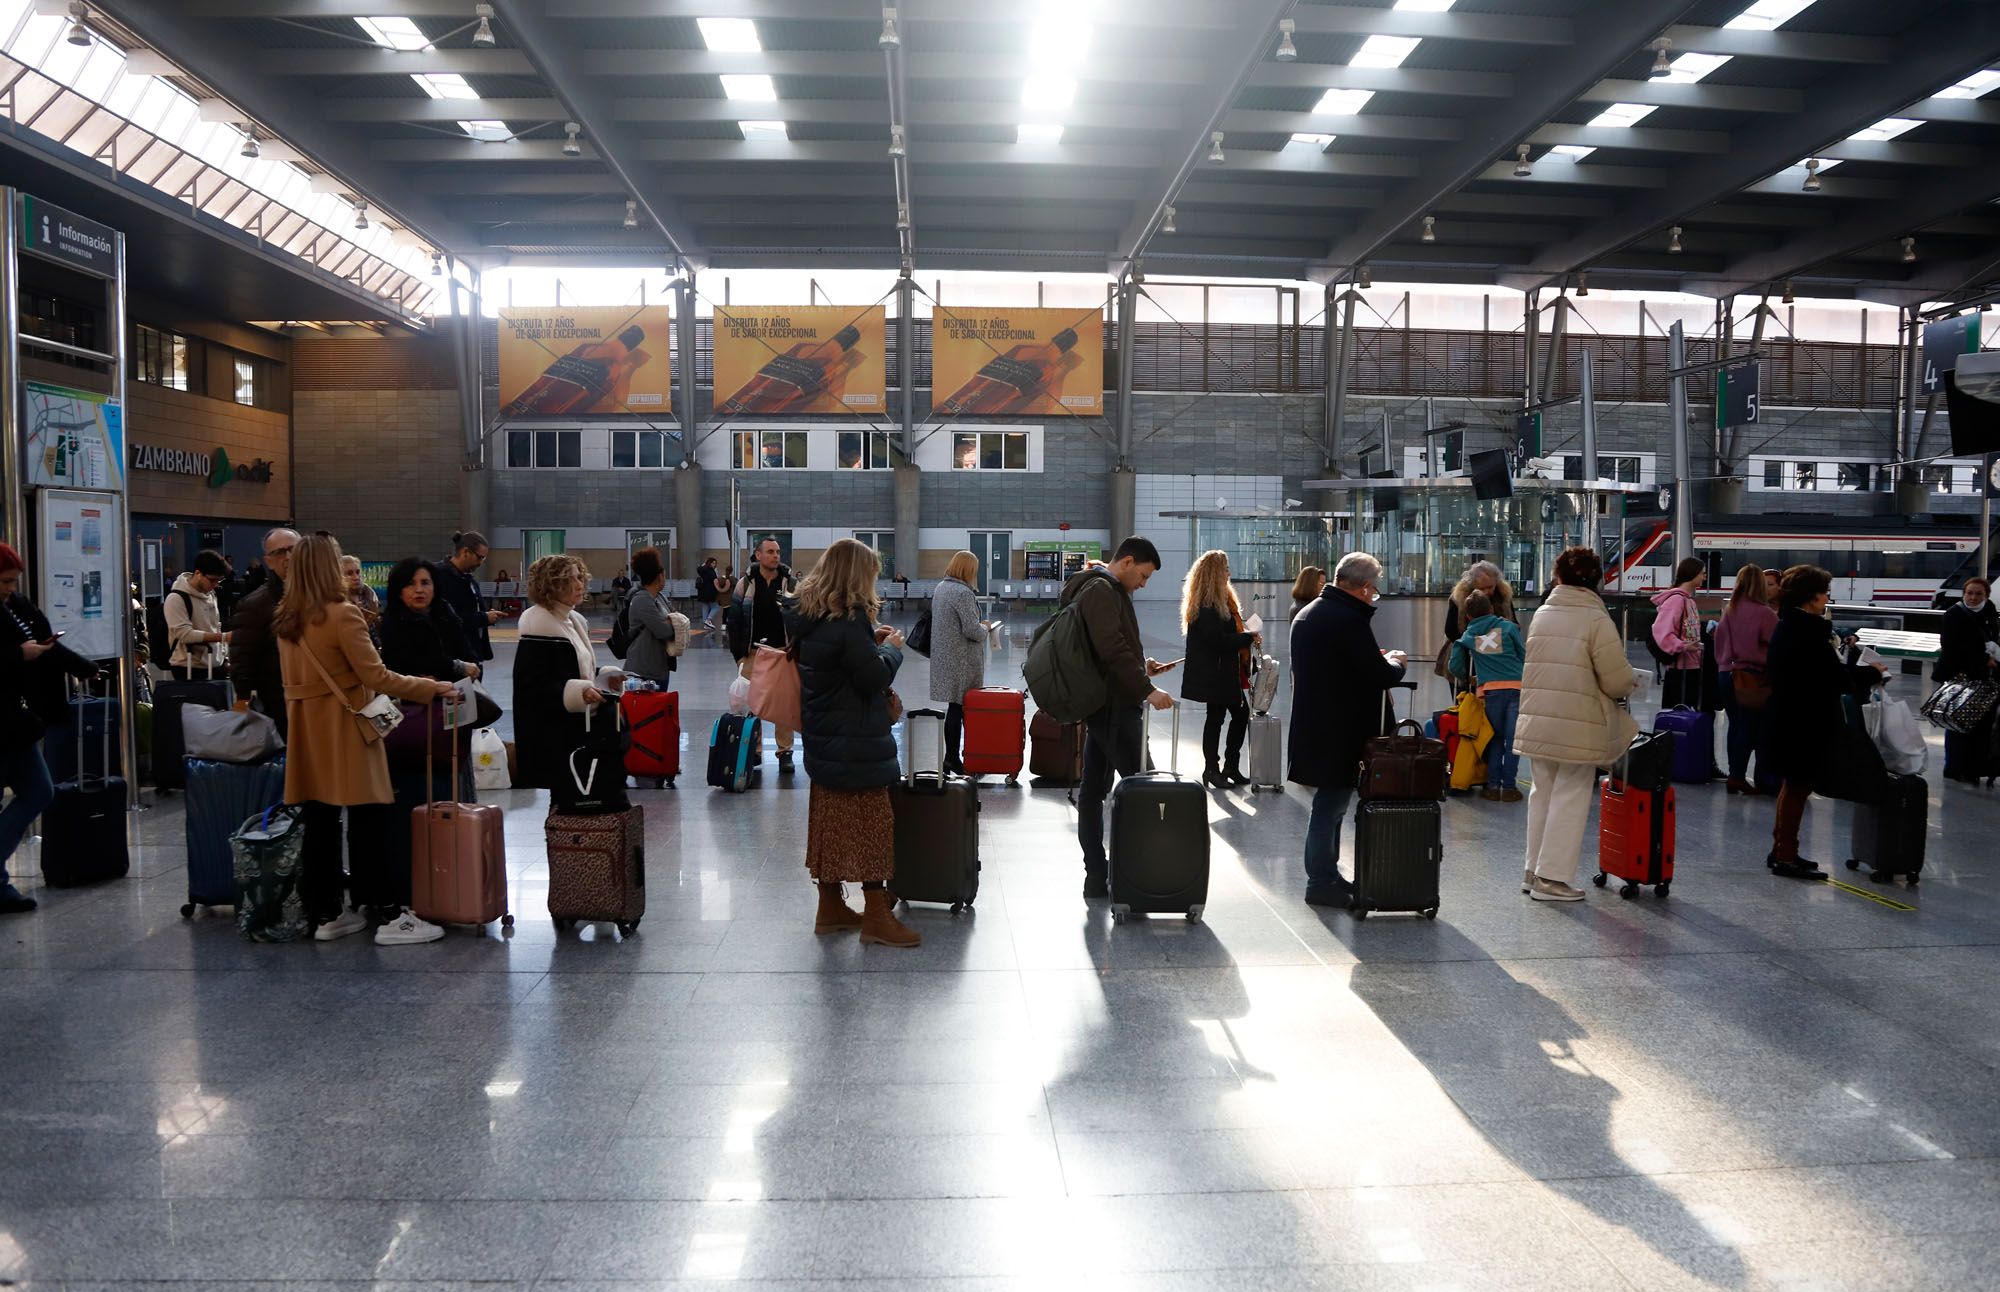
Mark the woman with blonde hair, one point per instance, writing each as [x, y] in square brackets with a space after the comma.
[958, 650]
[555, 673]
[1218, 664]
[331, 670]
[1742, 646]
[1480, 576]
[846, 664]
[1307, 587]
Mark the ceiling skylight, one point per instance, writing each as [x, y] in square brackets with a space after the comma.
[1425, 6]
[730, 35]
[1971, 87]
[1058, 43]
[402, 34]
[753, 85]
[445, 85]
[1343, 102]
[393, 33]
[1038, 132]
[763, 130]
[1384, 51]
[1308, 137]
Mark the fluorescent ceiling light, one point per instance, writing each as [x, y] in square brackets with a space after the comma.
[1309, 138]
[763, 129]
[1048, 93]
[1038, 132]
[492, 132]
[1972, 86]
[1343, 103]
[754, 85]
[393, 33]
[1384, 51]
[730, 35]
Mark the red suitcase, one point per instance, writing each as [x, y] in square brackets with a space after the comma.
[996, 732]
[1635, 838]
[654, 719]
[458, 858]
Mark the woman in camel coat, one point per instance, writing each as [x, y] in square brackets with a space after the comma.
[329, 766]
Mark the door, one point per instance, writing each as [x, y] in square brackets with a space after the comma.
[152, 581]
[996, 558]
[538, 543]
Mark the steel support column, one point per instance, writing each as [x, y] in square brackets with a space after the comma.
[909, 479]
[13, 507]
[1531, 338]
[1337, 376]
[1587, 385]
[1558, 333]
[1128, 309]
[687, 476]
[1677, 414]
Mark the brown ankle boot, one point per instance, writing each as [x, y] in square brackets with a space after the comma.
[880, 925]
[835, 915]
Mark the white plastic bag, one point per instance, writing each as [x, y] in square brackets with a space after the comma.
[1896, 733]
[739, 696]
[489, 760]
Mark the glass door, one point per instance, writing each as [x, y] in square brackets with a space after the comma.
[996, 558]
[538, 543]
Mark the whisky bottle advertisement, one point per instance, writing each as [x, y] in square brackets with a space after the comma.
[1008, 362]
[804, 359]
[582, 361]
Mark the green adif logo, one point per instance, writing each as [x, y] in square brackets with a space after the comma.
[221, 473]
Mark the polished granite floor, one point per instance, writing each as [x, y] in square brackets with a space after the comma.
[1756, 1083]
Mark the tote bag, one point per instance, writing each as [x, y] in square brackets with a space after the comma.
[774, 686]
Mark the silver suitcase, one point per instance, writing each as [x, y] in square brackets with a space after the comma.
[1267, 752]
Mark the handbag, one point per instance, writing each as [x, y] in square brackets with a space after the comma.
[918, 638]
[775, 693]
[228, 735]
[1753, 689]
[1405, 764]
[596, 771]
[1851, 767]
[377, 718]
[477, 709]
[1961, 704]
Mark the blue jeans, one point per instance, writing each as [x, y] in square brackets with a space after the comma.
[1502, 763]
[23, 772]
[1745, 735]
[1323, 837]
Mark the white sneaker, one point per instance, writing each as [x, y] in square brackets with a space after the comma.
[1553, 890]
[405, 929]
[348, 921]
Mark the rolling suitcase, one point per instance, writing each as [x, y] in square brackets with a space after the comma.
[1055, 750]
[220, 798]
[83, 832]
[996, 732]
[458, 856]
[1635, 837]
[597, 868]
[923, 750]
[1159, 842]
[1398, 847]
[168, 743]
[1694, 742]
[1888, 834]
[654, 719]
[95, 719]
[1267, 752]
[735, 747]
[937, 843]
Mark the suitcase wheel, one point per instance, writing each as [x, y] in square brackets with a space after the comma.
[1854, 863]
[1360, 912]
[957, 907]
[1629, 890]
[1429, 913]
[1660, 889]
[1119, 913]
[667, 782]
[187, 910]
[1194, 913]
[564, 926]
[1599, 878]
[628, 927]
[507, 921]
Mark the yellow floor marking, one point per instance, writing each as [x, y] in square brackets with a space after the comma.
[1873, 897]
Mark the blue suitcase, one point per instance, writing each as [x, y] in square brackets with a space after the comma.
[1694, 742]
[97, 716]
[220, 798]
[735, 748]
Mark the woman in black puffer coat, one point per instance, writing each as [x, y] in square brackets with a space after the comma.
[846, 665]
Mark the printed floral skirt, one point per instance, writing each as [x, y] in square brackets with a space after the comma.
[850, 836]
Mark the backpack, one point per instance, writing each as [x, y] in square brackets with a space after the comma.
[159, 638]
[620, 640]
[1062, 671]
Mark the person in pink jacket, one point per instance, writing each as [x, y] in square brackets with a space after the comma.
[1677, 631]
[1742, 644]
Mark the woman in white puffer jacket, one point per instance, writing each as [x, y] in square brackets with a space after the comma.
[1570, 722]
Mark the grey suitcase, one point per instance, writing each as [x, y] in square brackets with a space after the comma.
[1398, 845]
[1267, 752]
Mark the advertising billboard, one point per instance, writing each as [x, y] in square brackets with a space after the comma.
[582, 361]
[1006, 362]
[799, 359]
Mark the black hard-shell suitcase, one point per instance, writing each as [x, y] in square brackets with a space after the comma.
[1159, 842]
[169, 698]
[83, 832]
[937, 843]
[1888, 835]
[93, 720]
[1398, 845]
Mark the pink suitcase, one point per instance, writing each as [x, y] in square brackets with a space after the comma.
[458, 858]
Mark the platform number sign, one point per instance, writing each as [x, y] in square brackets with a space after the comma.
[1738, 394]
[1944, 341]
[1528, 435]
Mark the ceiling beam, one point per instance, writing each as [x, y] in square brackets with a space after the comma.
[1699, 95]
[943, 65]
[846, 152]
[1365, 125]
[1606, 35]
[1919, 201]
[1800, 46]
[1646, 138]
[564, 68]
[1941, 282]
[1490, 28]
[1557, 169]
[1157, 13]
[1947, 44]
[1235, 59]
[1971, 112]
[1383, 80]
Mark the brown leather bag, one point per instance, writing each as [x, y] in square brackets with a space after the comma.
[1405, 764]
[1752, 688]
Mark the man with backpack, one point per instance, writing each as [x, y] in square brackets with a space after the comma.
[1095, 664]
[757, 618]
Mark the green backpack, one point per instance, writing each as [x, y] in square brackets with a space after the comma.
[1062, 671]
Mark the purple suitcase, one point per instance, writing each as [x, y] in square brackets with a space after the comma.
[1694, 743]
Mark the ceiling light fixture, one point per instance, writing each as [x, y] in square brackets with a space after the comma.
[1367, 278]
[1661, 67]
[1812, 175]
[1430, 228]
[483, 33]
[1521, 168]
[1583, 284]
[360, 214]
[1167, 225]
[631, 214]
[897, 148]
[1909, 251]
[1786, 299]
[890, 38]
[1287, 51]
[1674, 241]
[571, 148]
[1215, 155]
[78, 34]
[249, 148]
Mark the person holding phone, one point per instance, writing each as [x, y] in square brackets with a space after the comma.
[1219, 646]
[32, 698]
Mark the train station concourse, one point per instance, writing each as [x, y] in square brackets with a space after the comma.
[1117, 644]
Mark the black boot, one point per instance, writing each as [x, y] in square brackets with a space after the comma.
[1214, 779]
[1234, 772]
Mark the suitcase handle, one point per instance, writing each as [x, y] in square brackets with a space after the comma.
[1173, 750]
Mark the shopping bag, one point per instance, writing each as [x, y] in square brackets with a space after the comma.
[1897, 734]
[489, 760]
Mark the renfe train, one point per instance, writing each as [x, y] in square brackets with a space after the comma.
[1897, 562]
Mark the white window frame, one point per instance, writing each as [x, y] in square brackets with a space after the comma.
[876, 449]
[638, 464]
[738, 439]
[1003, 436]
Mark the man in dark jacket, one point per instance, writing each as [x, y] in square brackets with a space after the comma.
[1340, 681]
[759, 600]
[1114, 736]
[253, 653]
[458, 589]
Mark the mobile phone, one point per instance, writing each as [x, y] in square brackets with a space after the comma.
[55, 633]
